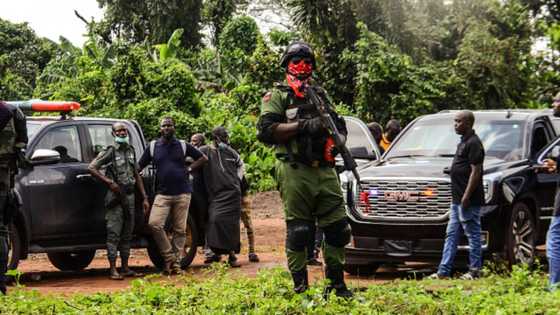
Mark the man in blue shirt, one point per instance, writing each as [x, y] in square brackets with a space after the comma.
[553, 235]
[173, 191]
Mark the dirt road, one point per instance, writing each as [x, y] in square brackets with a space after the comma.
[39, 274]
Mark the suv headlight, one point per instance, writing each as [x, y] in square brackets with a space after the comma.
[489, 182]
[348, 187]
[343, 184]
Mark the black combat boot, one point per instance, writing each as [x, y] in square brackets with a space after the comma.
[126, 271]
[301, 283]
[336, 276]
[113, 273]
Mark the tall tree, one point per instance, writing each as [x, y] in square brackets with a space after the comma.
[549, 9]
[23, 56]
[153, 20]
[216, 13]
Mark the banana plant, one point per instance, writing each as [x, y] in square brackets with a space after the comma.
[169, 50]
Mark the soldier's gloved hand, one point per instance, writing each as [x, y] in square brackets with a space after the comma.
[313, 127]
[21, 160]
[334, 151]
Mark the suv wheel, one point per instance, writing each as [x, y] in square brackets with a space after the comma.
[521, 235]
[191, 243]
[361, 270]
[154, 254]
[190, 247]
[14, 247]
[71, 261]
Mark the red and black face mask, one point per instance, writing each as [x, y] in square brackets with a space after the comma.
[298, 73]
[301, 67]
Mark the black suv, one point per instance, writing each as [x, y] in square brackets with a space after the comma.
[61, 209]
[400, 212]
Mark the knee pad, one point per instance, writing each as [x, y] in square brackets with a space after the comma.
[299, 233]
[338, 233]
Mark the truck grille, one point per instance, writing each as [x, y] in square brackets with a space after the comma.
[404, 198]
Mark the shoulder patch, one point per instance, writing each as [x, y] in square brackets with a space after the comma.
[267, 96]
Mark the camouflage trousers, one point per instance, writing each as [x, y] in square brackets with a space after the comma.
[312, 196]
[120, 224]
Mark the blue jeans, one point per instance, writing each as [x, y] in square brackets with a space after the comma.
[553, 251]
[467, 221]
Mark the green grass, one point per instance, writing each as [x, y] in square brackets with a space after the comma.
[520, 292]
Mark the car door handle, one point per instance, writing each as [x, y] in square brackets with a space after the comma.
[81, 176]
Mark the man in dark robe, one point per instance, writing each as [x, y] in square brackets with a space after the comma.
[222, 177]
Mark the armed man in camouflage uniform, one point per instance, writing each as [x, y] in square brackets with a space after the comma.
[13, 138]
[121, 177]
[307, 181]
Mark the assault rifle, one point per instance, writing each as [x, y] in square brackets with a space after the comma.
[9, 208]
[317, 101]
[120, 199]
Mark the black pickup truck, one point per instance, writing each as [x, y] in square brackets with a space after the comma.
[400, 211]
[61, 209]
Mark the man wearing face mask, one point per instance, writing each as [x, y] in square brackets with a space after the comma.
[553, 235]
[222, 177]
[392, 129]
[305, 173]
[121, 176]
[173, 191]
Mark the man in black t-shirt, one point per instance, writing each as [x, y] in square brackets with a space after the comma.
[467, 199]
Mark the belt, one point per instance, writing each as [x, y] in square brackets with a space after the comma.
[312, 163]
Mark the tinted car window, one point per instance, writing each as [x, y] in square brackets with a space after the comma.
[32, 128]
[100, 136]
[65, 140]
[556, 123]
[540, 139]
[501, 139]
[357, 136]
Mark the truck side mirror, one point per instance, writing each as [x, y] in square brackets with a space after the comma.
[45, 156]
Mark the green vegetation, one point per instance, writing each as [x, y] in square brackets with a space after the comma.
[522, 292]
[378, 59]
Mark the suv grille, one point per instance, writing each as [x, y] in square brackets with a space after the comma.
[404, 198]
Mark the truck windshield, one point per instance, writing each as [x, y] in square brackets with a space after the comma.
[502, 139]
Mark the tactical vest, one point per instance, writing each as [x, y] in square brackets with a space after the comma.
[121, 169]
[304, 148]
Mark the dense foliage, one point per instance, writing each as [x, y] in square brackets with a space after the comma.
[378, 59]
[23, 56]
[522, 292]
[151, 20]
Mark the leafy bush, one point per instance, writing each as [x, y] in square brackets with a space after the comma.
[388, 84]
[271, 293]
[239, 33]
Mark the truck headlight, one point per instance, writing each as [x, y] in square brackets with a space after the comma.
[489, 182]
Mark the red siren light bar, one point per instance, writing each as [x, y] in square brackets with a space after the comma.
[46, 106]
